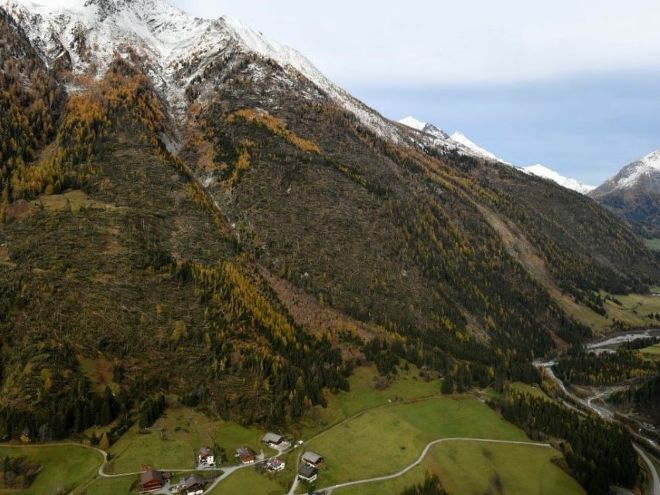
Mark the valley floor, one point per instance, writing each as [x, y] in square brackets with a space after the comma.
[365, 433]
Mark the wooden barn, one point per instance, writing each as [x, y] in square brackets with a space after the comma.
[151, 480]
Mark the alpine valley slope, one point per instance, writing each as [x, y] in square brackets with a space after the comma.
[634, 194]
[184, 195]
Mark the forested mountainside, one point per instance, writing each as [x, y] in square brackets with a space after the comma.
[139, 236]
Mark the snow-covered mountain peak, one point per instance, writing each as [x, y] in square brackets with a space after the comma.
[91, 30]
[459, 137]
[177, 46]
[652, 160]
[457, 141]
[546, 173]
[413, 123]
[424, 127]
[644, 172]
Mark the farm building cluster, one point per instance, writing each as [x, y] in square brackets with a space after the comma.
[152, 480]
[309, 466]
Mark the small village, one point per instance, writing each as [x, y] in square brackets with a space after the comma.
[154, 481]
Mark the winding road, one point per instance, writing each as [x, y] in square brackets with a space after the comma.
[652, 469]
[602, 411]
[421, 458]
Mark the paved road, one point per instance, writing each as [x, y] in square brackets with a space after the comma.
[654, 472]
[619, 339]
[330, 489]
[607, 415]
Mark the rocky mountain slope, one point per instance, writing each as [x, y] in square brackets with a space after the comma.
[457, 142]
[634, 194]
[196, 198]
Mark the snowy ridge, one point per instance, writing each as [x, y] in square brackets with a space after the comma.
[413, 123]
[459, 137]
[546, 173]
[637, 171]
[431, 136]
[470, 148]
[91, 31]
[178, 48]
[456, 142]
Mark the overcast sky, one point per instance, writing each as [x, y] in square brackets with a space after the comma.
[572, 84]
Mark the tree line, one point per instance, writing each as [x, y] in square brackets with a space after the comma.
[599, 454]
[580, 366]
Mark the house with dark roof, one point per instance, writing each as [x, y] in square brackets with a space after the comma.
[307, 473]
[151, 480]
[274, 440]
[194, 485]
[312, 458]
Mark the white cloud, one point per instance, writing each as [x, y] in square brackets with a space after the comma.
[473, 41]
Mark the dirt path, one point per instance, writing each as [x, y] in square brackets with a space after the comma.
[294, 485]
[423, 455]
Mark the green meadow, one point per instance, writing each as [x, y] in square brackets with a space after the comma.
[478, 468]
[384, 440]
[175, 438]
[364, 433]
[364, 395]
[652, 351]
[248, 481]
[653, 244]
[111, 486]
[64, 467]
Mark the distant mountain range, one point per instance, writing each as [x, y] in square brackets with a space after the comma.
[471, 148]
[633, 194]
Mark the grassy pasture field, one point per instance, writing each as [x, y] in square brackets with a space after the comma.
[633, 310]
[467, 468]
[652, 351]
[111, 486]
[384, 440]
[64, 467]
[529, 389]
[653, 244]
[364, 395]
[249, 481]
[364, 433]
[184, 431]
